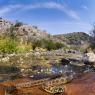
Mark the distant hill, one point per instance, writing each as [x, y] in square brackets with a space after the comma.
[75, 38]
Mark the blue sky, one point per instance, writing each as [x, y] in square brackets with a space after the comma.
[54, 16]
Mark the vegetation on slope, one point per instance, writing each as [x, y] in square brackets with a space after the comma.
[75, 38]
[47, 44]
[20, 37]
[9, 42]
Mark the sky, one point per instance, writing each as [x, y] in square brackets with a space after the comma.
[54, 16]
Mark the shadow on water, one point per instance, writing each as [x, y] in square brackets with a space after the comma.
[9, 73]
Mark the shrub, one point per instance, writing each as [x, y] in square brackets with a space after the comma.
[47, 44]
[59, 45]
[24, 48]
[7, 45]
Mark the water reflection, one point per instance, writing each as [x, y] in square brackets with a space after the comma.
[53, 70]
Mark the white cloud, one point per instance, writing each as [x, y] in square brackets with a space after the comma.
[6, 9]
[50, 5]
[85, 7]
[53, 5]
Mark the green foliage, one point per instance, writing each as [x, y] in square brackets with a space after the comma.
[8, 45]
[59, 45]
[47, 44]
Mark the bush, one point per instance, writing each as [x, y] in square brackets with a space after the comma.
[47, 44]
[7, 45]
[24, 48]
[59, 45]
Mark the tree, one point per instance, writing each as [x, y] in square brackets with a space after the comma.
[93, 37]
[49, 44]
[18, 24]
[36, 43]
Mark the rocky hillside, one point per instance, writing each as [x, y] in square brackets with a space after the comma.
[75, 38]
[25, 33]
[22, 30]
[17, 36]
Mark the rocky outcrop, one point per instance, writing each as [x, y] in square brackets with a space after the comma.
[24, 32]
